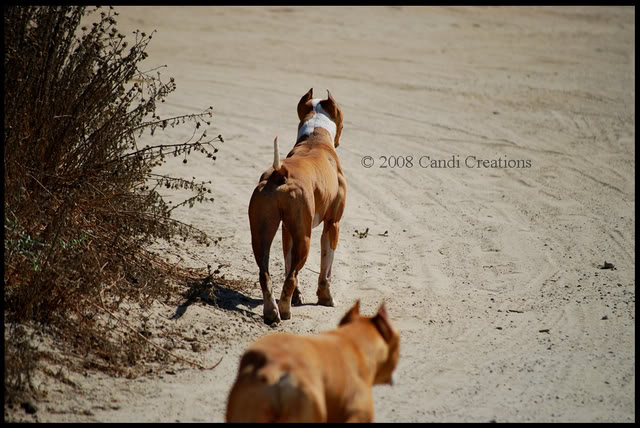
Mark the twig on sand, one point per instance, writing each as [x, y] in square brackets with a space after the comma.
[157, 346]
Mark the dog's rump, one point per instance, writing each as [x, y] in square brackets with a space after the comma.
[275, 394]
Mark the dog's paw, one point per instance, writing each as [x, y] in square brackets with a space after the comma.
[296, 300]
[324, 296]
[326, 301]
[271, 316]
[285, 315]
[284, 308]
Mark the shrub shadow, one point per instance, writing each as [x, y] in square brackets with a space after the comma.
[219, 293]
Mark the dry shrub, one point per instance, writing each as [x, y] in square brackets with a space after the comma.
[20, 360]
[81, 200]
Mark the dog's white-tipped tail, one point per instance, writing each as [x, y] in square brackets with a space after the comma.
[276, 155]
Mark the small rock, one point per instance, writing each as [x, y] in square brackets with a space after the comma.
[29, 407]
[605, 317]
[195, 347]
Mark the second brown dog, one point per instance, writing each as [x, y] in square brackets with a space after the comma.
[322, 378]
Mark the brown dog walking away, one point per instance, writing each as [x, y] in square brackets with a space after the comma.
[303, 190]
[327, 377]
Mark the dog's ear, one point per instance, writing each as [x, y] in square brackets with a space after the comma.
[381, 321]
[303, 110]
[352, 315]
[329, 97]
[331, 106]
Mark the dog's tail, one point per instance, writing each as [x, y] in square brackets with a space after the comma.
[276, 155]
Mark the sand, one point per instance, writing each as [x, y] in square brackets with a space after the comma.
[514, 128]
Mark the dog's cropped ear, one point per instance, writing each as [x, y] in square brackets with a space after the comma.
[329, 97]
[381, 321]
[330, 106]
[303, 110]
[352, 315]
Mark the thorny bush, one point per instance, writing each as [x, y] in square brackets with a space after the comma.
[81, 202]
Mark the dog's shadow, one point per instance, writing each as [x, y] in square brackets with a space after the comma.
[213, 293]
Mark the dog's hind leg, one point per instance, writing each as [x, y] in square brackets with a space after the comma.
[287, 244]
[300, 404]
[299, 226]
[264, 220]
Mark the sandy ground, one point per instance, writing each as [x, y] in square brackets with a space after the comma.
[492, 274]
